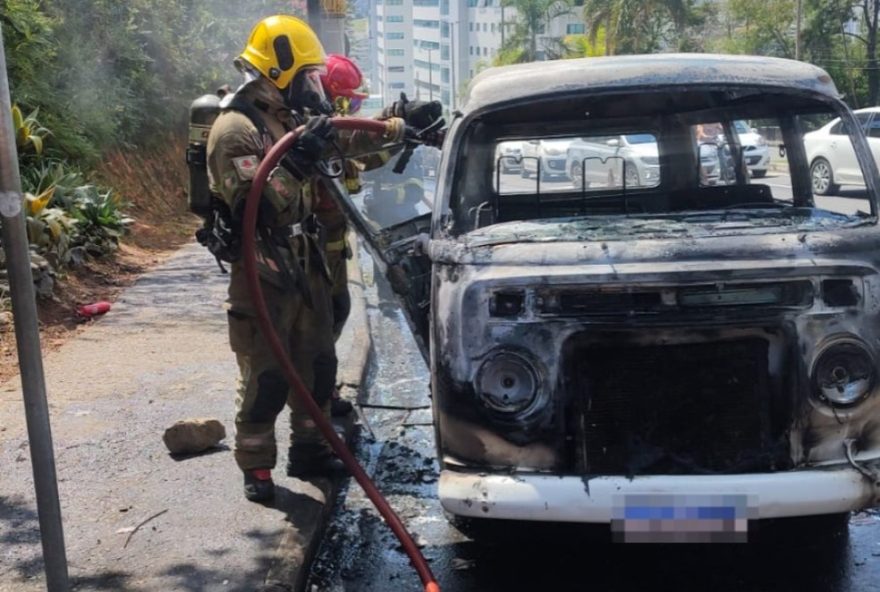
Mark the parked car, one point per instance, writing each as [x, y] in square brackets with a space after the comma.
[832, 156]
[611, 160]
[508, 156]
[550, 154]
[607, 355]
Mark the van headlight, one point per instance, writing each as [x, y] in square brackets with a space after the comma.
[844, 373]
[507, 382]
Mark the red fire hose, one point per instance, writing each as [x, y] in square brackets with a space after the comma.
[302, 393]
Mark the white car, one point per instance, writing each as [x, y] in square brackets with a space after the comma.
[551, 154]
[832, 157]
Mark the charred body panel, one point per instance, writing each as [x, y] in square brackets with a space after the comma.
[697, 363]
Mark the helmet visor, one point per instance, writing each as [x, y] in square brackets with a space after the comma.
[306, 91]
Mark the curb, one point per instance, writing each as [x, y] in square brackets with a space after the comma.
[307, 521]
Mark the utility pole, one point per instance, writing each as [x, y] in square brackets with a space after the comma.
[452, 66]
[27, 338]
[430, 74]
[797, 38]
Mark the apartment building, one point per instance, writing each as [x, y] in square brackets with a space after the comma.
[393, 69]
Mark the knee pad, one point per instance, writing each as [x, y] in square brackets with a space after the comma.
[325, 378]
[271, 396]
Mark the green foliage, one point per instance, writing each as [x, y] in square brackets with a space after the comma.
[639, 26]
[532, 16]
[105, 73]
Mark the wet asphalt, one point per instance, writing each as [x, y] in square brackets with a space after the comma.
[360, 554]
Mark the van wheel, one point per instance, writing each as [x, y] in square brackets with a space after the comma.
[822, 177]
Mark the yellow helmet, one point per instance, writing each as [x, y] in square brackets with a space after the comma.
[280, 46]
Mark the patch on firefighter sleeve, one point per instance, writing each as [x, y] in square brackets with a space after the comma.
[246, 166]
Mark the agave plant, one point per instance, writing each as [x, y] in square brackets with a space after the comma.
[29, 133]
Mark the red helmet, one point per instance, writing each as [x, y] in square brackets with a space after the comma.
[342, 78]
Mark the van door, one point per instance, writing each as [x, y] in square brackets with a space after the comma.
[392, 214]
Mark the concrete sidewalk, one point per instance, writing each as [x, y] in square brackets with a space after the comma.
[160, 355]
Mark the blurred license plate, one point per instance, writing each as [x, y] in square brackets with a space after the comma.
[651, 518]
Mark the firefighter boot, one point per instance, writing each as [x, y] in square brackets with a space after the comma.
[312, 460]
[258, 485]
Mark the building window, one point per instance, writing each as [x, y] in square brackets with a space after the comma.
[444, 75]
[471, 74]
[485, 51]
[394, 2]
[575, 29]
[444, 52]
[396, 69]
[395, 18]
[492, 28]
[397, 85]
[426, 24]
[431, 65]
[396, 52]
[395, 35]
[472, 3]
[444, 30]
[444, 97]
[470, 26]
[485, 27]
[471, 48]
[426, 2]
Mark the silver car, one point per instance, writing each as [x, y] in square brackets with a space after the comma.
[630, 159]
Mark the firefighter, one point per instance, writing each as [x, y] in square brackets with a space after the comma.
[281, 65]
[342, 81]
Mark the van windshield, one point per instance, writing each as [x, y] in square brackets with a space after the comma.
[688, 154]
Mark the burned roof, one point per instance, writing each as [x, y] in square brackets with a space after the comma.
[522, 81]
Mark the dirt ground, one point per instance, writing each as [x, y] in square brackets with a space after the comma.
[145, 246]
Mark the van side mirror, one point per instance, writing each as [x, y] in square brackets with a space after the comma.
[613, 142]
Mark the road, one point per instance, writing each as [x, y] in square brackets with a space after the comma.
[359, 554]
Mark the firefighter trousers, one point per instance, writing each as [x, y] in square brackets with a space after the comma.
[263, 391]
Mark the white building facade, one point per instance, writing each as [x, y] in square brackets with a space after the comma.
[394, 48]
[449, 42]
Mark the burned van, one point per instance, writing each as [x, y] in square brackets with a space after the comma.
[656, 328]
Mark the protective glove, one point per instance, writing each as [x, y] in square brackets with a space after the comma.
[317, 137]
[418, 114]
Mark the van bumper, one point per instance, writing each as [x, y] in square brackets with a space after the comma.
[540, 497]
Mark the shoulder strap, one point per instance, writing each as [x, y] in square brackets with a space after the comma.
[243, 106]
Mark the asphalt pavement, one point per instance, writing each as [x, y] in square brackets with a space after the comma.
[136, 518]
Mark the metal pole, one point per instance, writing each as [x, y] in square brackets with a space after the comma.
[452, 73]
[502, 26]
[430, 75]
[27, 337]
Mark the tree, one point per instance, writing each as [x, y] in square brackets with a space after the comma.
[638, 26]
[532, 19]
